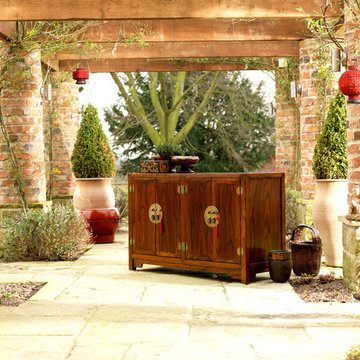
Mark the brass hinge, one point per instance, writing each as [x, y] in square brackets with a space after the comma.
[240, 251]
[182, 246]
[239, 190]
[182, 189]
[132, 188]
[131, 241]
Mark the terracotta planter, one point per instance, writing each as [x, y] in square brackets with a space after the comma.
[103, 223]
[93, 194]
[330, 202]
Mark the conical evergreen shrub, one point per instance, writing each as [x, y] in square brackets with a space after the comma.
[92, 156]
[330, 153]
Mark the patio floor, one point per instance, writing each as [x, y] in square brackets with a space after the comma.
[95, 308]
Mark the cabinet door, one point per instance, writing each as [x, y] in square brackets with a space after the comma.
[168, 232]
[264, 217]
[227, 194]
[197, 235]
[143, 230]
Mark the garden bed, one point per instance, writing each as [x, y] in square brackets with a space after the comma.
[14, 294]
[325, 288]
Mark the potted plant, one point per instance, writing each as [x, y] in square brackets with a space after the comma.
[165, 151]
[174, 154]
[330, 166]
[93, 163]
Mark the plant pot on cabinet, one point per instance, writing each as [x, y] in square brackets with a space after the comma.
[103, 223]
[330, 202]
[93, 193]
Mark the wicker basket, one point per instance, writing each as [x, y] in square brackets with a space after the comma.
[306, 255]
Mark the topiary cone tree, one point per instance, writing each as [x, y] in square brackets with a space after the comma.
[330, 167]
[92, 156]
[330, 153]
[94, 165]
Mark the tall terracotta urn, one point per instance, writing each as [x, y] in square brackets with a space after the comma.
[92, 193]
[331, 202]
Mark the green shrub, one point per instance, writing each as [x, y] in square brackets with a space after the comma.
[291, 207]
[354, 353]
[58, 233]
[121, 200]
[92, 156]
[330, 153]
[167, 149]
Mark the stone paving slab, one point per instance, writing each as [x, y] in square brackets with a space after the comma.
[95, 308]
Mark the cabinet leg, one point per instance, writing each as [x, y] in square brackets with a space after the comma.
[132, 264]
[138, 264]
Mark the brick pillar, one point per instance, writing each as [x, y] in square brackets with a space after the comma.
[309, 117]
[22, 109]
[287, 134]
[352, 34]
[65, 109]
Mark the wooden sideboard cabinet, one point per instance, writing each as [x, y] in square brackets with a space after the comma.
[222, 223]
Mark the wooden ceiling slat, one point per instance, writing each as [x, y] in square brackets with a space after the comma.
[158, 9]
[197, 50]
[149, 65]
[201, 29]
[7, 29]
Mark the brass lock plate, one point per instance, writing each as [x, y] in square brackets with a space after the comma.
[211, 216]
[155, 213]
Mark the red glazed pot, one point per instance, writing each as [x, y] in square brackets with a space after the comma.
[349, 83]
[103, 223]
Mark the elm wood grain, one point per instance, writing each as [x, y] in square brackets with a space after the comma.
[226, 199]
[198, 236]
[211, 266]
[150, 65]
[7, 30]
[169, 200]
[131, 220]
[143, 230]
[159, 9]
[196, 49]
[264, 217]
[200, 30]
[208, 176]
[260, 191]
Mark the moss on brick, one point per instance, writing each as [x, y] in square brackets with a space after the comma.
[34, 205]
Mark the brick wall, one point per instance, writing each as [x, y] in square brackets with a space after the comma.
[309, 118]
[313, 110]
[352, 34]
[22, 108]
[66, 119]
[287, 134]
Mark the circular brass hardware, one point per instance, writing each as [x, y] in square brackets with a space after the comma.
[155, 213]
[211, 216]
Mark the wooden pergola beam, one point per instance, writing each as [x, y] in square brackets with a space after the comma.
[7, 29]
[196, 50]
[201, 29]
[149, 65]
[159, 9]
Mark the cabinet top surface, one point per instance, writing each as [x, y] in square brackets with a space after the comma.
[199, 175]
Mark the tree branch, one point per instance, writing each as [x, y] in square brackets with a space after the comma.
[156, 102]
[175, 110]
[191, 122]
[139, 113]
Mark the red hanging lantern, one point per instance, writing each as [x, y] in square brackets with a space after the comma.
[349, 83]
[80, 75]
